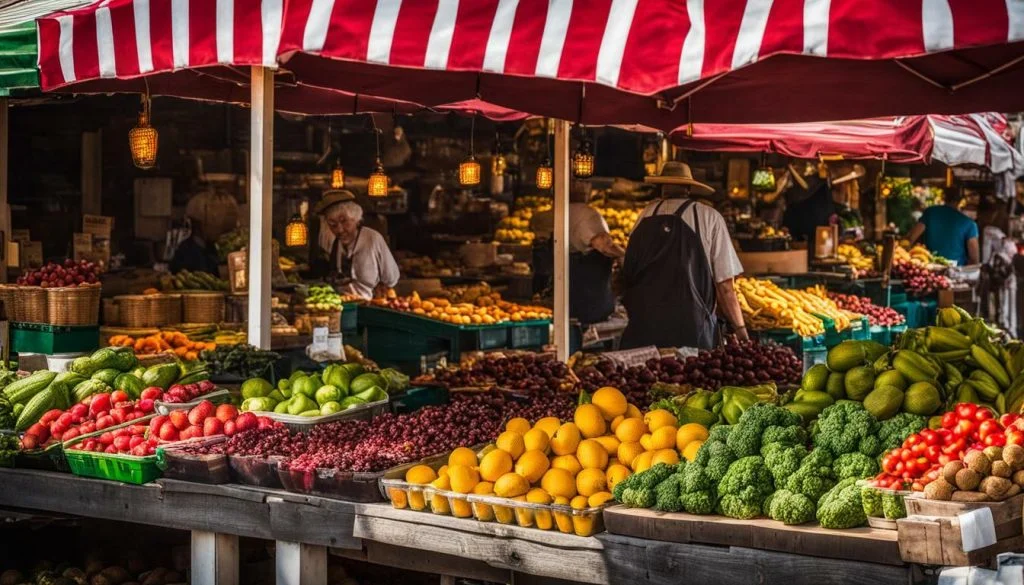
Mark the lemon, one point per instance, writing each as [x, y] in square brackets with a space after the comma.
[688, 433]
[591, 481]
[630, 430]
[511, 485]
[610, 444]
[633, 412]
[627, 452]
[462, 456]
[494, 465]
[663, 438]
[538, 496]
[614, 425]
[645, 442]
[579, 503]
[616, 473]
[518, 424]
[511, 442]
[591, 454]
[599, 499]
[658, 418]
[590, 421]
[532, 465]
[536, 440]
[643, 461]
[611, 402]
[548, 424]
[420, 474]
[566, 439]
[690, 451]
[463, 478]
[559, 482]
[568, 463]
[667, 456]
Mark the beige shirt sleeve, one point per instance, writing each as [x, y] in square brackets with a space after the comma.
[586, 224]
[372, 264]
[725, 263]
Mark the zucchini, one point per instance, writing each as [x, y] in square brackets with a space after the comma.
[24, 389]
[34, 409]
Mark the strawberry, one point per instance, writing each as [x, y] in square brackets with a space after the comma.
[151, 393]
[226, 412]
[179, 418]
[168, 432]
[212, 426]
[229, 427]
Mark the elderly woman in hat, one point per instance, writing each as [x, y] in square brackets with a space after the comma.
[679, 268]
[354, 254]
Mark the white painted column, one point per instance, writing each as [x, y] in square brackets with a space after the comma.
[214, 558]
[261, 186]
[300, 564]
[561, 239]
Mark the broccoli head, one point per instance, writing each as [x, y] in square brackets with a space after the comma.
[786, 436]
[719, 433]
[666, 494]
[698, 493]
[622, 486]
[745, 486]
[844, 427]
[894, 430]
[640, 492]
[855, 465]
[746, 437]
[841, 506]
[782, 461]
[717, 461]
[814, 476]
[789, 507]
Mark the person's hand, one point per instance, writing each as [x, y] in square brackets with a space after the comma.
[741, 333]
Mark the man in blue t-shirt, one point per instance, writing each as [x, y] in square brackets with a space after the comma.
[948, 232]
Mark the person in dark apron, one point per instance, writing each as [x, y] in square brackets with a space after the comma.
[672, 280]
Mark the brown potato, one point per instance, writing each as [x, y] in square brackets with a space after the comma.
[950, 470]
[969, 496]
[1001, 468]
[994, 453]
[978, 461]
[995, 487]
[1014, 455]
[967, 479]
[1013, 491]
[1018, 477]
[940, 489]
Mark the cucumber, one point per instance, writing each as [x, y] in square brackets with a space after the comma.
[24, 389]
[34, 409]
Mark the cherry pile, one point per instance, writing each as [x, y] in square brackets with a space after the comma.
[877, 315]
[521, 372]
[919, 281]
[70, 273]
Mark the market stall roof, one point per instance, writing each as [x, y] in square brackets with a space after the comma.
[953, 140]
[663, 63]
[18, 40]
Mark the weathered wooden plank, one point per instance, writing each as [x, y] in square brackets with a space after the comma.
[381, 553]
[878, 545]
[221, 490]
[310, 524]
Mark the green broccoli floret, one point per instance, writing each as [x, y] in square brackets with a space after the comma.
[622, 486]
[719, 433]
[782, 461]
[841, 506]
[745, 439]
[715, 458]
[814, 477]
[666, 495]
[745, 486]
[842, 427]
[640, 494]
[894, 430]
[856, 465]
[789, 507]
[698, 493]
[786, 436]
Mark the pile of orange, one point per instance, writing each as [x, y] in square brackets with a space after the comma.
[487, 309]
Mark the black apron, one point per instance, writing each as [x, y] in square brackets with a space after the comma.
[669, 290]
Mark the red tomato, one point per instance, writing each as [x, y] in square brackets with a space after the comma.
[919, 449]
[949, 420]
[930, 437]
[898, 468]
[989, 426]
[1008, 419]
[995, 439]
[955, 446]
[1014, 437]
[966, 410]
[933, 453]
[912, 467]
[889, 463]
[964, 428]
[912, 440]
[906, 455]
[983, 413]
[944, 459]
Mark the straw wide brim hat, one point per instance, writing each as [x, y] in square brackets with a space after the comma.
[332, 197]
[678, 173]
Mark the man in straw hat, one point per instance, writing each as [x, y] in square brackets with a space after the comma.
[679, 268]
[356, 255]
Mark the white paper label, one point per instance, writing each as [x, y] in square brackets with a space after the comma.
[334, 347]
[977, 529]
[320, 335]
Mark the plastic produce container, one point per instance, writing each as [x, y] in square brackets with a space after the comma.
[883, 506]
[177, 464]
[255, 470]
[219, 396]
[49, 459]
[304, 424]
[123, 468]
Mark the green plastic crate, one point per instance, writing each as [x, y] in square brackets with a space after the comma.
[413, 399]
[859, 329]
[349, 316]
[529, 334]
[123, 468]
[53, 339]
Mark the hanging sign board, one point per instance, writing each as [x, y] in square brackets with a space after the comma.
[238, 271]
[97, 225]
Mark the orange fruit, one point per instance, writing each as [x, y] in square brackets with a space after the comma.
[548, 424]
[633, 412]
[611, 402]
[663, 438]
[599, 499]
[511, 442]
[591, 481]
[495, 464]
[579, 503]
[592, 454]
[420, 474]
[532, 465]
[462, 456]
[628, 452]
[559, 482]
[643, 461]
[511, 485]
[566, 439]
[610, 444]
[616, 473]
[463, 478]
[658, 418]
[538, 496]
[667, 456]
[536, 440]
[614, 425]
[568, 463]
[630, 430]
[690, 451]
[688, 433]
[590, 421]
[518, 424]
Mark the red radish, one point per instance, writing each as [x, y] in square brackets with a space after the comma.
[110, 449]
[139, 451]
[151, 393]
[118, 415]
[51, 415]
[226, 412]
[179, 418]
[40, 430]
[200, 412]
[122, 442]
[212, 426]
[29, 442]
[136, 440]
[246, 421]
[168, 432]
[119, 396]
[100, 403]
[145, 405]
[157, 422]
[106, 438]
[87, 427]
[104, 422]
[229, 427]
[66, 419]
[79, 410]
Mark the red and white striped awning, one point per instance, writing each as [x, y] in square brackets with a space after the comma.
[660, 63]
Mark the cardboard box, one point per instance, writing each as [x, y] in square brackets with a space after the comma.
[934, 532]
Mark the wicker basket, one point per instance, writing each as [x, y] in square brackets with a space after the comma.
[7, 298]
[203, 307]
[30, 304]
[77, 305]
[169, 308]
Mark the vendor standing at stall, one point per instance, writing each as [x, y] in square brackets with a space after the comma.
[592, 251]
[948, 232]
[679, 268]
[354, 255]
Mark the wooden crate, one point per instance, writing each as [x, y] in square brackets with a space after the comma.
[930, 534]
[861, 544]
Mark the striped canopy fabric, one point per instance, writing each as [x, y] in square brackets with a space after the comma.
[660, 63]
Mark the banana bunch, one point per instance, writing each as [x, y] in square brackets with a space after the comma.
[852, 255]
[917, 255]
[766, 306]
[231, 338]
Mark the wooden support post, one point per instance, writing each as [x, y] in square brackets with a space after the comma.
[5, 211]
[561, 240]
[214, 558]
[301, 564]
[261, 187]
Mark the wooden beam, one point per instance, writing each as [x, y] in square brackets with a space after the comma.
[300, 564]
[214, 558]
[261, 187]
[561, 240]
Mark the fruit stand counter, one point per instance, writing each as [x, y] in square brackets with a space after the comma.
[307, 527]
